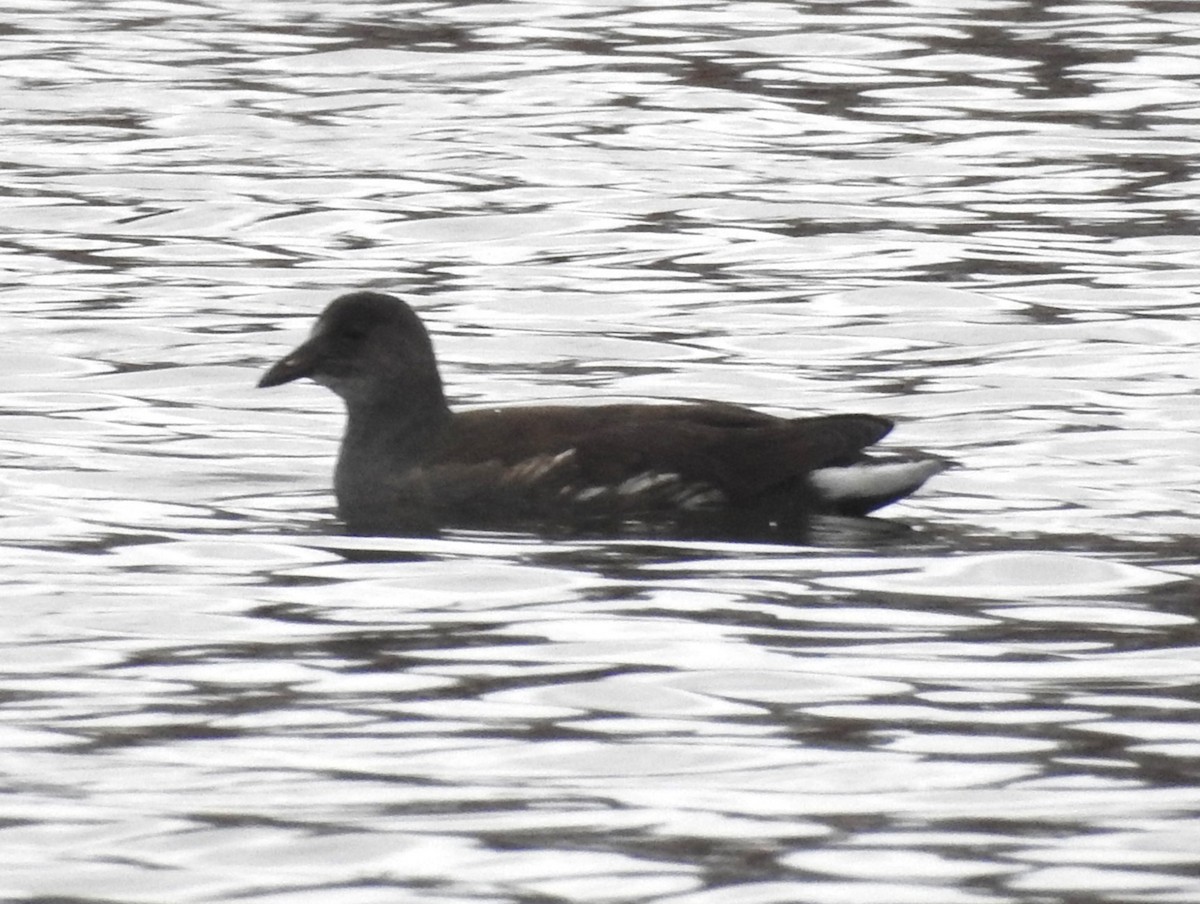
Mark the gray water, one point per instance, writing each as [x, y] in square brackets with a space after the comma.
[978, 218]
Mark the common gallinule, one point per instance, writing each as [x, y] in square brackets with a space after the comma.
[407, 459]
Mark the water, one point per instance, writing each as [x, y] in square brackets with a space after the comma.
[975, 217]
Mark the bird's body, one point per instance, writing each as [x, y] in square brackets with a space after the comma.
[407, 460]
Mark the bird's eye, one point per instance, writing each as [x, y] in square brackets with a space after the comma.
[354, 333]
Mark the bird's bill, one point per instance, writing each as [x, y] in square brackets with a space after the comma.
[300, 363]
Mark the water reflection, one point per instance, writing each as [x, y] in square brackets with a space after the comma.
[976, 218]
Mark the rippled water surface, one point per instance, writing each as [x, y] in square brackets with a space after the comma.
[978, 218]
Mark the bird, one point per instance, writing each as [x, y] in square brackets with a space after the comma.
[408, 462]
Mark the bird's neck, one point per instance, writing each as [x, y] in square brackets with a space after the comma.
[386, 439]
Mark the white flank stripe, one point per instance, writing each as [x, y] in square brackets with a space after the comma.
[644, 482]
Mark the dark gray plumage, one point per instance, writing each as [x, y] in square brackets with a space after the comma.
[407, 459]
